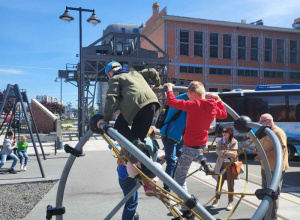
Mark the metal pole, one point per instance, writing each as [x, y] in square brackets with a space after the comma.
[81, 81]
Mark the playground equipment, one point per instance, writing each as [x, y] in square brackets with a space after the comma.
[241, 123]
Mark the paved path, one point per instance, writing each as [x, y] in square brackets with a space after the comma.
[92, 190]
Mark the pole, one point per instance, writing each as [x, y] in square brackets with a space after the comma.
[81, 82]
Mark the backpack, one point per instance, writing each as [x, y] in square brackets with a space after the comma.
[162, 116]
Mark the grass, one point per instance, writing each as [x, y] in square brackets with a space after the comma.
[24, 197]
[68, 121]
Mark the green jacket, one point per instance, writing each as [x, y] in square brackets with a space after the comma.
[22, 146]
[130, 92]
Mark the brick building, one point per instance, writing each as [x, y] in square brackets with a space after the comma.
[225, 55]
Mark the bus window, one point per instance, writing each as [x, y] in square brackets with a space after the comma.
[237, 104]
[294, 108]
[274, 105]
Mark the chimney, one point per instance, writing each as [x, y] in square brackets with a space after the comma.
[155, 8]
[243, 21]
[296, 24]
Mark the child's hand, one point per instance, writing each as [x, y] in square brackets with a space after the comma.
[169, 86]
[162, 157]
[215, 97]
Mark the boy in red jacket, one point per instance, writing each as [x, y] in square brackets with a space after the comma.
[200, 114]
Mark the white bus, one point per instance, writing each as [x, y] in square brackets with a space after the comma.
[281, 101]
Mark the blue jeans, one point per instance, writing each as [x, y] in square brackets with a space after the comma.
[13, 156]
[23, 153]
[172, 153]
[127, 185]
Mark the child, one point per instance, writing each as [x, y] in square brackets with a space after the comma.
[8, 146]
[22, 151]
[200, 114]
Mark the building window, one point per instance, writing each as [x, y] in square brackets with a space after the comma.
[190, 69]
[273, 74]
[280, 51]
[219, 71]
[295, 75]
[254, 49]
[248, 73]
[184, 43]
[213, 89]
[123, 30]
[226, 90]
[135, 31]
[198, 44]
[226, 46]
[242, 46]
[268, 49]
[214, 45]
[293, 52]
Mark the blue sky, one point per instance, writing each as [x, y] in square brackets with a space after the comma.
[35, 43]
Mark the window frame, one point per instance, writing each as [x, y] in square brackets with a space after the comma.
[198, 44]
[240, 47]
[184, 43]
[281, 51]
[214, 45]
[226, 46]
[268, 50]
[252, 49]
[296, 52]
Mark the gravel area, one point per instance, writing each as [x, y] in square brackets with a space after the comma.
[17, 200]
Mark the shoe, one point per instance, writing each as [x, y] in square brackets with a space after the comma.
[229, 206]
[140, 145]
[136, 216]
[148, 190]
[21, 167]
[188, 215]
[24, 168]
[208, 169]
[215, 203]
[12, 171]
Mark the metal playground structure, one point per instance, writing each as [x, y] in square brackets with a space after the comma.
[242, 124]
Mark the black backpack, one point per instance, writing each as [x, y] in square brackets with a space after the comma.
[162, 116]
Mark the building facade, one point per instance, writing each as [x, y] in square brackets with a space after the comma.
[225, 55]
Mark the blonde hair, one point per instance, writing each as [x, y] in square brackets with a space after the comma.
[196, 87]
[24, 138]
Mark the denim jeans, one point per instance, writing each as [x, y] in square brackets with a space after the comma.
[13, 156]
[172, 153]
[23, 153]
[127, 185]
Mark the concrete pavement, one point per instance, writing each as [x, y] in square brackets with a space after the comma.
[92, 189]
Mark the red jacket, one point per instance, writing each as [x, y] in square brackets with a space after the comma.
[200, 114]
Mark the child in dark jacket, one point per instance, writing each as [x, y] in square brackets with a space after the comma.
[200, 114]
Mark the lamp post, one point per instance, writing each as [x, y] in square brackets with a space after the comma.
[93, 20]
[56, 80]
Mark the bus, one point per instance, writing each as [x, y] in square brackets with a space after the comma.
[281, 101]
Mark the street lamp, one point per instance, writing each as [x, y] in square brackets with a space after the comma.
[93, 20]
[56, 80]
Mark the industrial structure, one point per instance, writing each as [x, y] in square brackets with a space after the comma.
[222, 55]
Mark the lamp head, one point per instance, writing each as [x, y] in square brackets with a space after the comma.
[93, 19]
[66, 17]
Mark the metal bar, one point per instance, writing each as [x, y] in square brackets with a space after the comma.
[184, 195]
[66, 171]
[30, 132]
[123, 201]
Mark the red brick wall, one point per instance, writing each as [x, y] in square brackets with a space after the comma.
[172, 31]
[44, 122]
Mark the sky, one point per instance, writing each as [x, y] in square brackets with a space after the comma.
[35, 43]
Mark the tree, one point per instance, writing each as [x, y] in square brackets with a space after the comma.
[54, 107]
[8, 106]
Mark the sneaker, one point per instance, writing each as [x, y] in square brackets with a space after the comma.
[12, 171]
[136, 216]
[188, 215]
[140, 145]
[208, 169]
[215, 203]
[148, 190]
[229, 206]
[24, 168]
[21, 167]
